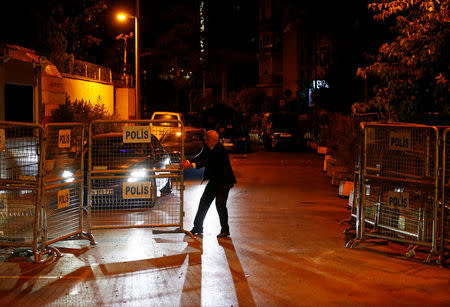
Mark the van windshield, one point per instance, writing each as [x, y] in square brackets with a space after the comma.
[165, 117]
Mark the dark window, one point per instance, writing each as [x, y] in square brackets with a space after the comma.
[18, 103]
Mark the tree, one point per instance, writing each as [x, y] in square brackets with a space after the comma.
[61, 29]
[75, 29]
[411, 72]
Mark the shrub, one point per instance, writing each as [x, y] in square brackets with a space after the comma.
[80, 111]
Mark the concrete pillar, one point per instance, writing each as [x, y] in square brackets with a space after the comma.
[37, 93]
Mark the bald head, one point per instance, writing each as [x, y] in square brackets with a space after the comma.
[212, 138]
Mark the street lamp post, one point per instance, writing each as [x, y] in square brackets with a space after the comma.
[136, 61]
[137, 87]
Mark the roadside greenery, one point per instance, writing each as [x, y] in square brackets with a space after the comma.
[80, 111]
[411, 72]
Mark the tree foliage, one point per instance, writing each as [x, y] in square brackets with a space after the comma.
[79, 23]
[66, 29]
[411, 72]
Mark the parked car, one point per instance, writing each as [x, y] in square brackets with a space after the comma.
[281, 132]
[162, 128]
[193, 143]
[109, 153]
[234, 137]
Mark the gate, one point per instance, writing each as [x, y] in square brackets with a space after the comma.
[399, 186]
[131, 179]
[21, 172]
[63, 183]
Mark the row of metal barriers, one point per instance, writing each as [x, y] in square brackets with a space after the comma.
[402, 188]
[63, 180]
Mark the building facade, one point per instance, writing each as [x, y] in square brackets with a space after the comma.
[31, 87]
[294, 55]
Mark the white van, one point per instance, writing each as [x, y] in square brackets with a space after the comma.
[162, 128]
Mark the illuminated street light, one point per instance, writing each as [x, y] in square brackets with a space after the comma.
[122, 17]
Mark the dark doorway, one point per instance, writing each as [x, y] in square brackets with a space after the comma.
[18, 103]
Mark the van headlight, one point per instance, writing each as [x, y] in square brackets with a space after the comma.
[136, 175]
[167, 161]
[68, 176]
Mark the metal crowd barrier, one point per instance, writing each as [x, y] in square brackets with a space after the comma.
[131, 179]
[21, 170]
[63, 184]
[445, 199]
[41, 179]
[399, 186]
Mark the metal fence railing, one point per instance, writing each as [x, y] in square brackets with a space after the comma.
[63, 183]
[49, 191]
[40, 187]
[21, 168]
[87, 70]
[131, 179]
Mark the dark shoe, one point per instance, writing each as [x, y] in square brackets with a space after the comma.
[223, 235]
[196, 232]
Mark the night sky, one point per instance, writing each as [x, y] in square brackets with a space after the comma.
[233, 29]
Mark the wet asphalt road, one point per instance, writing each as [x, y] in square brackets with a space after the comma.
[286, 249]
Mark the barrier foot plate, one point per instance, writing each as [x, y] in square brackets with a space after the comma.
[88, 236]
[353, 243]
[27, 253]
[411, 251]
[49, 251]
[22, 252]
[178, 230]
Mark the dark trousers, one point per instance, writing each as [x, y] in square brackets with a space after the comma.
[220, 193]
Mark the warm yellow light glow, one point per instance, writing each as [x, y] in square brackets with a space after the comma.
[121, 16]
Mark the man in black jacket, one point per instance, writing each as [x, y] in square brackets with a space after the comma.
[218, 171]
